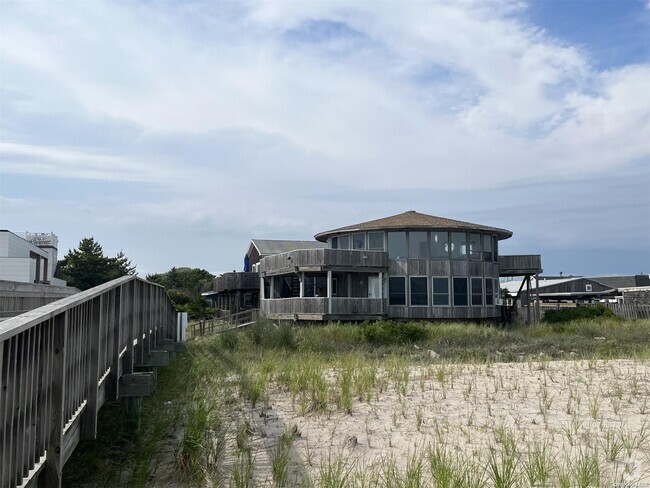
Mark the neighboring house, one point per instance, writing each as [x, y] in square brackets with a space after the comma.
[239, 291]
[555, 290]
[406, 266]
[23, 261]
[27, 263]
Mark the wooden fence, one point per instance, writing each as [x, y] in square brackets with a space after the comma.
[62, 361]
[216, 325]
[629, 310]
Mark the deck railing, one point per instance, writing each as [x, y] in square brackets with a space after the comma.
[62, 361]
[339, 306]
[215, 325]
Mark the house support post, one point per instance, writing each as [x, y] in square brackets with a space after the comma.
[262, 288]
[301, 276]
[381, 290]
[528, 299]
[329, 291]
[538, 317]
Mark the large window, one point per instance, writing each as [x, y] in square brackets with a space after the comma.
[418, 245]
[440, 291]
[359, 241]
[477, 291]
[489, 291]
[458, 245]
[495, 247]
[397, 245]
[376, 241]
[397, 290]
[335, 242]
[440, 245]
[487, 247]
[460, 291]
[419, 291]
[475, 246]
[344, 242]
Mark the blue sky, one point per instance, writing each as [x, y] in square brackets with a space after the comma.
[178, 131]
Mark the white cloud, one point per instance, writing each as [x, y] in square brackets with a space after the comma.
[240, 107]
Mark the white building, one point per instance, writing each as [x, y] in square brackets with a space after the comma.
[28, 257]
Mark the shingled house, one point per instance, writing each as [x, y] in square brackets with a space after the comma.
[239, 291]
[406, 266]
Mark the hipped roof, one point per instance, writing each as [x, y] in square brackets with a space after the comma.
[413, 220]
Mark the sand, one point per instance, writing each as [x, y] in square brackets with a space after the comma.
[574, 408]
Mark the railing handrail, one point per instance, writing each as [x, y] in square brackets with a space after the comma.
[15, 325]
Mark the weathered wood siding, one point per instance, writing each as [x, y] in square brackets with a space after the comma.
[17, 297]
[451, 313]
[237, 281]
[322, 259]
[519, 265]
[350, 307]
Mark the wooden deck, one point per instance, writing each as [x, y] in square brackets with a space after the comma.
[323, 308]
[315, 260]
[236, 281]
[520, 265]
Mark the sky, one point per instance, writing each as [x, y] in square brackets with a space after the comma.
[177, 131]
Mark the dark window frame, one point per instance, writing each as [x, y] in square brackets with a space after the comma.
[435, 294]
[457, 295]
[424, 294]
[393, 279]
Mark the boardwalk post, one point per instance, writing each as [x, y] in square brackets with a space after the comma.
[53, 468]
[89, 418]
[112, 389]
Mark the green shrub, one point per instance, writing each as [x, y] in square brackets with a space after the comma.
[229, 340]
[577, 313]
[266, 334]
[388, 332]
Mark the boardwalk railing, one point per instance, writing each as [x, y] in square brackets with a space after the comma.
[220, 324]
[62, 361]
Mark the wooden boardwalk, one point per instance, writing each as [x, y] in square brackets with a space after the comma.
[62, 361]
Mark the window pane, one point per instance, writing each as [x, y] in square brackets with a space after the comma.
[458, 245]
[397, 245]
[489, 290]
[495, 247]
[376, 241]
[477, 291]
[397, 290]
[440, 289]
[358, 241]
[440, 245]
[419, 291]
[487, 247]
[344, 242]
[475, 246]
[460, 292]
[418, 246]
[335, 242]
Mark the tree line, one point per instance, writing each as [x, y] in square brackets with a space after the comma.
[88, 266]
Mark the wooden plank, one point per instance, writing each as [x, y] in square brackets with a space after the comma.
[155, 359]
[21, 423]
[51, 475]
[136, 385]
[111, 387]
[88, 426]
[9, 388]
